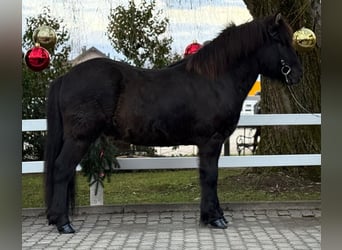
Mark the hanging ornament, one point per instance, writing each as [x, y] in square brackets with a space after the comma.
[192, 48]
[304, 39]
[45, 36]
[37, 58]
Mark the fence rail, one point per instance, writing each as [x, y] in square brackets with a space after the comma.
[245, 121]
[224, 162]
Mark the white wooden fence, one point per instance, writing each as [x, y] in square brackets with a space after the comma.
[224, 161]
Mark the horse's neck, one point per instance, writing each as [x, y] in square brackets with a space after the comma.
[244, 76]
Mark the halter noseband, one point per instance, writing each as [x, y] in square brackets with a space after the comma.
[285, 70]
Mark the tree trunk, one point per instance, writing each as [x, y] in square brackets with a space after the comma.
[277, 98]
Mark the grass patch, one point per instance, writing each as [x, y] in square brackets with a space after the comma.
[178, 186]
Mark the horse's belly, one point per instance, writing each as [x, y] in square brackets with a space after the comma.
[161, 119]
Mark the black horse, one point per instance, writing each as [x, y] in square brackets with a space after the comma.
[196, 101]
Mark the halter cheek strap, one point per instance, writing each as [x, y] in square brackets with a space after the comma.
[285, 70]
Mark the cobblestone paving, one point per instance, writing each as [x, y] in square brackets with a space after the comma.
[248, 229]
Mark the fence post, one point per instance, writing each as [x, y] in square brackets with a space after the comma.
[96, 199]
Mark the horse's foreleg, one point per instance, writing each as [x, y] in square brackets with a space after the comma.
[211, 212]
[64, 173]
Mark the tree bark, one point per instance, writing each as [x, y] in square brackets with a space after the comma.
[277, 98]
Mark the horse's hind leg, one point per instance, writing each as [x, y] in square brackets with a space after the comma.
[63, 176]
[211, 212]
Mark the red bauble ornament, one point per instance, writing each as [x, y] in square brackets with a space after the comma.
[37, 58]
[192, 48]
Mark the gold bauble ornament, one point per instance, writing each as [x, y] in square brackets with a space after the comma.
[45, 36]
[304, 39]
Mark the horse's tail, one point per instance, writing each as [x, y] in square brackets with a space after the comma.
[54, 140]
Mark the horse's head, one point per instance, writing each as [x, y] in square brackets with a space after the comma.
[278, 58]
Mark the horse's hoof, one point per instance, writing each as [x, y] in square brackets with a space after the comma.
[224, 220]
[66, 229]
[219, 223]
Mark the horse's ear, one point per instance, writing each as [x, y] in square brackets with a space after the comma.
[274, 25]
[277, 19]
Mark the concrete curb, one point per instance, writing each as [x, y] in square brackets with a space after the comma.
[181, 207]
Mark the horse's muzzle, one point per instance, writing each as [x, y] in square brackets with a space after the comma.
[294, 77]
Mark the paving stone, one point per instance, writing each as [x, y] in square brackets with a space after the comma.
[308, 213]
[272, 213]
[283, 213]
[295, 213]
[248, 213]
[237, 215]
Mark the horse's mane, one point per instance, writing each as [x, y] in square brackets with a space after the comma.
[232, 44]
